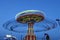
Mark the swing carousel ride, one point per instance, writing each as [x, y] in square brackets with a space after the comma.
[30, 22]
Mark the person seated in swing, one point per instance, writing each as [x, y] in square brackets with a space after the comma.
[9, 37]
[46, 36]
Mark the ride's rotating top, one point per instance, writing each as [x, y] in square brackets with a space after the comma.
[30, 17]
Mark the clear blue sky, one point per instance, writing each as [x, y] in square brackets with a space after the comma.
[9, 8]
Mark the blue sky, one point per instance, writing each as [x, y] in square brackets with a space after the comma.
[9, 8]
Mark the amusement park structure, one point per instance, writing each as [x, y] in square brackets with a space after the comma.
[30, 17]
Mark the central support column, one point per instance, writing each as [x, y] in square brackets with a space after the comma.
[30, 28]
[30, 34]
